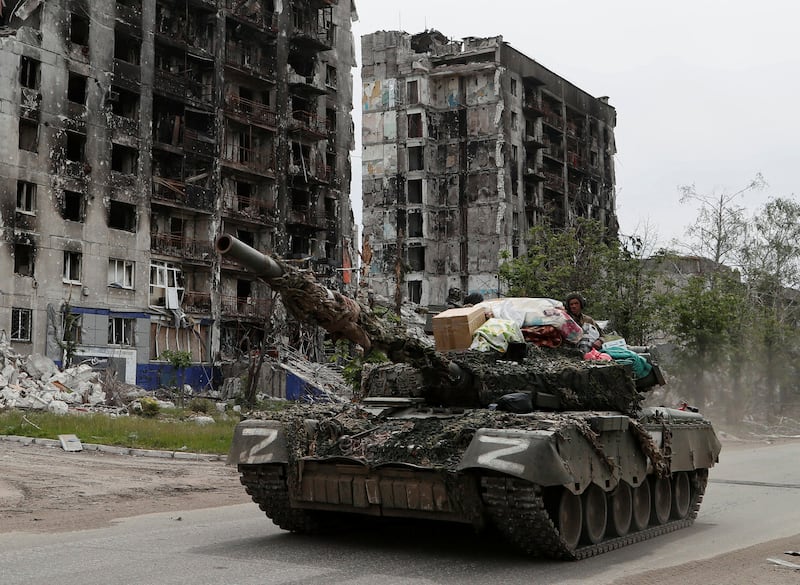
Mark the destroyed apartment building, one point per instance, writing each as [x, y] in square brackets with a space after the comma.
[135, 132]
[466, 146]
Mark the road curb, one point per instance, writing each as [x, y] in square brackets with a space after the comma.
[115, 450]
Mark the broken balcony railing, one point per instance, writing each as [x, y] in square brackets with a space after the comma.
[189, 248]
[244, 306]
[248, 158]
[253, 12]
[256, 111]
[178, 192]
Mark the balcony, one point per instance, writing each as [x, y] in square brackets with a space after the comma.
[554, 181]
[196, 302]
[253, 13]
[181, 247]
[130, 16]
[249, 60]
[308, 124]
[310, 36]
[248, 159]
[198, 143]
[128, 75]
[180, 194]
[255, 112]
[250, 208]
[244, 307]
[534, 107]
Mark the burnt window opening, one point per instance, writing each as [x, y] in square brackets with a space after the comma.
[26, 197]
[21, 324]
[416, 258]
[300, 200]
[247, 237]
[29, 73]
[122, 216]
[177, 227]
[302, 64]
[28, 135]
[330, 208]
[415, 125]
[73, 208]
[78, 29]
[123, 103]
[331, 75]
[124, 159]
[415, 291]
[120, 331]
[416, 158]
[76, 146]
[127, 48]
[200, 122]
[299, 245]
[513, 87]
[72, 266]
[23, 259]
[414, 190]
[244, 190]
[76, 88]
[301, 155]
[330, 119]
[412, 92]
[414, 225]
[244, 293]
[514, 121]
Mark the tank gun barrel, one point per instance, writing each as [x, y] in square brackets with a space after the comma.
[252, 259]
[343, 317]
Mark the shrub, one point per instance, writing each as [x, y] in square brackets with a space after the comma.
[150, 407]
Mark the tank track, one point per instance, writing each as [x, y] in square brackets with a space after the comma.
[266, 484]
[517, 509]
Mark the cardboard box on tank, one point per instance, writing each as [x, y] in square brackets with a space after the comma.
[453, 328]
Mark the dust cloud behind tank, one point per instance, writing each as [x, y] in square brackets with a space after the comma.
[582, 471]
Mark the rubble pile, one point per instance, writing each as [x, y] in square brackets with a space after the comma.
[35, 382]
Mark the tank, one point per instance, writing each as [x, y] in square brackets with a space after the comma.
[553, 452]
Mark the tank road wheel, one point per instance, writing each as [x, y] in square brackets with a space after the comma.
[641, 506]
[595, 514]
[662, 499]
[681, 495]
[621, 510]
[570, 518]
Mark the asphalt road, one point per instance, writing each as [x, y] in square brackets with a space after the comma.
[752, 498]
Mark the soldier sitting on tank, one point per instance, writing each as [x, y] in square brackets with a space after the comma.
[453, 298]
[575, 303]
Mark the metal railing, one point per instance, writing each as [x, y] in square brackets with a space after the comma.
[182, 247]
[244, 306]
[251, 109]
[254, 160]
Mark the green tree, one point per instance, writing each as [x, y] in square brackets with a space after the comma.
[609, 273]
[180, 360]
[704, 317]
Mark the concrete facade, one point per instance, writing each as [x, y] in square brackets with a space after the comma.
[136, 132]
[466, 145]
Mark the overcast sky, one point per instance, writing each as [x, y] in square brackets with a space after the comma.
[706, 92]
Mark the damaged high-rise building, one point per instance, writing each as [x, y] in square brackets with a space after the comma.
[135, 132]
[466, 145]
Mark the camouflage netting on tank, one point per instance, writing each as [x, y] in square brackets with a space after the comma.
[347, 430]
[563, 374]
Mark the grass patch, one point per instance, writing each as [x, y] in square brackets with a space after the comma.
[167, 431]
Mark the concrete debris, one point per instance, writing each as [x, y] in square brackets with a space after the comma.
[34, 382]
